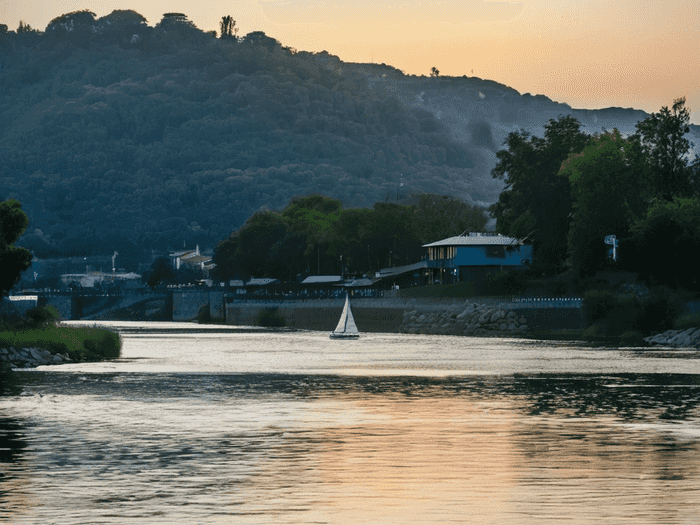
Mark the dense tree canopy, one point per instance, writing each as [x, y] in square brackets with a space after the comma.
[13, 260]
[610, 192]
[536, 202]
[314, 233]
[150, 136]
[666, 147]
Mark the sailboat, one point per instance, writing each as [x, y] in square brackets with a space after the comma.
[346, 329]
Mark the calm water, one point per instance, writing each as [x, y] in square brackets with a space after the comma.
[208, 427]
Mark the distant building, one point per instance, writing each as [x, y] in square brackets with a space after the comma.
[98, 279]
[193, 259]
[474, 256]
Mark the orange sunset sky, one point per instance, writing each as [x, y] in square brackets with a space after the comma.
[587, 53]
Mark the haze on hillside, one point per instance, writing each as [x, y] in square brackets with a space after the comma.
[588, 54]
[119, 135]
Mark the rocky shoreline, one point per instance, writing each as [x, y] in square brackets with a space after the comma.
[31, 357]
[689, 338]
[473, 319]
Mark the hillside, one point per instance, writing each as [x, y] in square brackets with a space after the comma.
[118, 135]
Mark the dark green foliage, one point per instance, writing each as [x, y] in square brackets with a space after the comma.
[667, 241]
[609, 192]
[162, 273]
[506, 282]
[665, 146]
[13, 260]
[150, 134]
[270, 318]
[43, 316]
[597, 304]
[105, 345]
[536, 202]
[228, 28]
[313, 233]
[659, 309]
[617, 313]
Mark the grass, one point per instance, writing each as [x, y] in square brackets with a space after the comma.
[87, 343]
[691, 320]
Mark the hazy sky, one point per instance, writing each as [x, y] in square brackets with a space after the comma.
[587, 53]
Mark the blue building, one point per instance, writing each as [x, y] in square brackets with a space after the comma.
[474, 256]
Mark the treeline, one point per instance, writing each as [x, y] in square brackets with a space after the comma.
[116, 135]
[315, 235]
[568, 190]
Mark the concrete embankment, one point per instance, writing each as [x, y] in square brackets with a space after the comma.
[31, 357]
[689, 338]
[453, 317]
[465, 319]
[371, 315]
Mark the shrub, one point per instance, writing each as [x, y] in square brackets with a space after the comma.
[597, 304]
[506, 282]
[105, 345]
[43, 316]
[659, 309]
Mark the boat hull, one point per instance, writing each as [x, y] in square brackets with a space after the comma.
[334, 335]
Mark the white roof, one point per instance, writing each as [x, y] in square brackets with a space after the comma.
[476, 239]
[321, 279]
[261, 282]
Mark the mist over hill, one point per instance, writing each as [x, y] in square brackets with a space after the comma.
[118, 135]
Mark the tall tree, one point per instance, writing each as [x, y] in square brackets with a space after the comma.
[13, 260]
[608, 187]
[228, 27]
[662, 136]
[536, 202]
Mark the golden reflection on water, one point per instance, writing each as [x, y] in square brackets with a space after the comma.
[423, 460]
[443, 460]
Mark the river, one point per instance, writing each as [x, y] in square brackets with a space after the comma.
[215, 425]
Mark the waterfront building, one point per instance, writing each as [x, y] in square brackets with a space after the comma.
[473, 256]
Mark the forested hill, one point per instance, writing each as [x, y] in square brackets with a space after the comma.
[119, 135]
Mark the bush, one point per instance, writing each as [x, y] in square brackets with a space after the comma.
[632, 338]
[104, 346]
[659, 310]
[506, 282]
[597, 304]
[270, 318]
[43, 316]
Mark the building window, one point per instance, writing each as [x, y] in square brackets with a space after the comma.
[439, 253]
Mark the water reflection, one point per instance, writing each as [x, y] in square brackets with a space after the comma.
[203, 447]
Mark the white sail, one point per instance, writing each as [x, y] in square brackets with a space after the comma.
[346, 325]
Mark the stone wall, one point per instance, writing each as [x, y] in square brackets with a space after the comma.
[31, 357]
[464, 319]
[689, 338]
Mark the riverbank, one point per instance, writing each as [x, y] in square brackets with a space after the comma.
[56, 344]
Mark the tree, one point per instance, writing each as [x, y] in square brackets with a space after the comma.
[608, 188]
[667, 238]
[439, 216]
[13, 260]
[536, 201]
[662, 136]
[434, 72]
[162, 272]
[24, 28]
[228, 28]
[77, 26]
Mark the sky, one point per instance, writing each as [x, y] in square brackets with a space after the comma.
[586, 53]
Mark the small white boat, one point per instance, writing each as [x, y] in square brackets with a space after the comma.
[346, 329]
